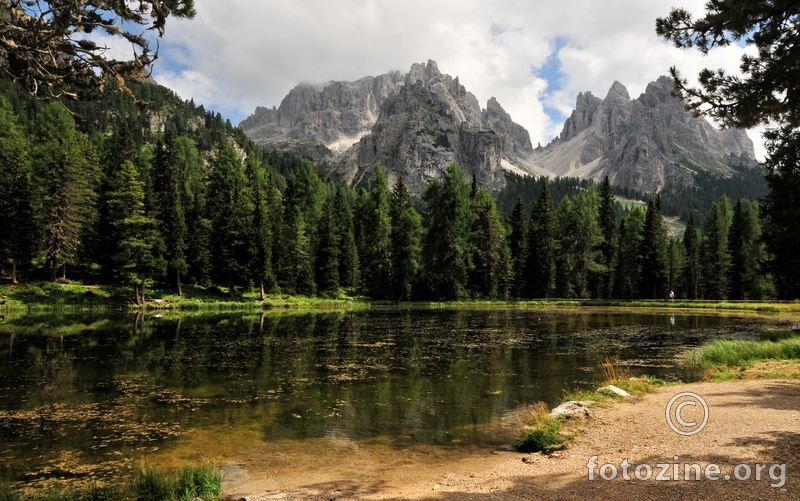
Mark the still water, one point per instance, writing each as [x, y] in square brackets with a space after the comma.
[86, 397]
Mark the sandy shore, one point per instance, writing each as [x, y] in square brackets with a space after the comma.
[750, 423]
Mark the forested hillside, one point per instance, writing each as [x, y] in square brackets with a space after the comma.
[169, 194]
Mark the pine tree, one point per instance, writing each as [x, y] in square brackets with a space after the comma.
[17, 244]
[628, 266]
[376, 260]
[580, 239]
[230, 211]
[542, 239]
[139, 249]
[348, 253]
[261, 192]
[517, 244]
[715, 256]
[691, 266]
[406, 239]
[608, 228]
[169, 183]
[653, 282]
[64, 177]
[446, 251]
[490, 276]
[747, 279]
[327, 267]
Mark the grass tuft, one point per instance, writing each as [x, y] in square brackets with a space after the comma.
[538, 431]
[719, 353]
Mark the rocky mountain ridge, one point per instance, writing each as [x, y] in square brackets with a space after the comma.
[413, 124]
[644, 143]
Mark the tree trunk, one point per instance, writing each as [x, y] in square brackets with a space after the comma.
[261, 294]
[64, 273]
[143, 297]
[14, 272]
[180, 290]
[54, 271]
[136, 294]
[231, 291]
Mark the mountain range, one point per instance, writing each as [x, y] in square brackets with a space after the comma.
[416, 123]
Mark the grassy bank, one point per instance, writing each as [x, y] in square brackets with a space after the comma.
[732, 358]
[48, 296]
[539, 432]
[183, 484]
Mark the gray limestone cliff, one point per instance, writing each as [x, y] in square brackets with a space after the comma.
[644, 143]
[413, 124]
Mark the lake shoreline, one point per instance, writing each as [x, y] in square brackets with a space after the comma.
[44, 297]
[751, 423]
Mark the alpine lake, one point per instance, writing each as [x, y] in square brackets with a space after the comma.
[294, 398]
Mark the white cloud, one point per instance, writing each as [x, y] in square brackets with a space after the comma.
[239, 54]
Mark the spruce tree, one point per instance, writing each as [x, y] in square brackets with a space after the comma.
[376, 263]
[490, 276]
[580, 239]
[653, 281]
[608, 228]
[348, 253]
[446, 252]
[691, 267]
[406, 240]
[542, 240]
[628, 266]
[327, 267]
[139, 249]
[747, 280]
[230, 211]
[17, 244]
[169, 185]
[261, 231]
[64, 178]
[518, 246]
[715, 256]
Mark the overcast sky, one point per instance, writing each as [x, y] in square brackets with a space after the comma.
[534, 57]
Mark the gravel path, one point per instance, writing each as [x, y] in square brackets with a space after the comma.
[752, 423]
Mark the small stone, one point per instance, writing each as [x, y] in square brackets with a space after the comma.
[572, 409]
[613, 389]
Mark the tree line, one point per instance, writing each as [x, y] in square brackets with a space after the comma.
[165, 212]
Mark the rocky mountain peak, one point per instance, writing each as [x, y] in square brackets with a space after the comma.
[644, 143]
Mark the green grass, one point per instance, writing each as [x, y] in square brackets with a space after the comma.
[737, 353]
[539, 432]
[149, 484]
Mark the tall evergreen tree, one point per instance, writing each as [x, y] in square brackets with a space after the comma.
[377, 228]
[577, 261]
[608, 228]
[653, 283]
[628, 266]
[348, 253]
[446, 251]
[675, 265]
[542, 239]
[715, 256]
[327, 267]
[491, 273]
[261, 192]
[139, 248]
[747, 279]
[517, 244]
[406, 239]
[230, 211]
[169, 185]
[17, 244]
[691, 268]
[64, 180]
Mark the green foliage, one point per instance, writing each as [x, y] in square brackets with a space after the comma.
[691, 266]
[739, 353]
[376, 238]
[16, 191]
[540, 261]
[539, 432]
[628, 267]
[577, 262]
[714, 254]
[653, 251]
[406, 240]
[446, 251]
[491, 276]
[608, 228]
[518, 246]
